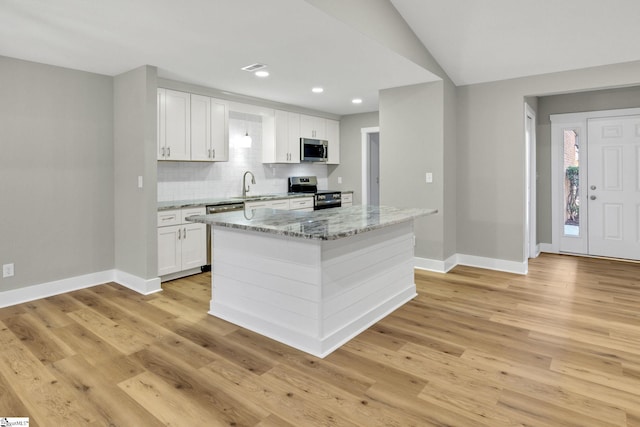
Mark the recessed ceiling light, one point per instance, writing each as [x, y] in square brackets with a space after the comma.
[262, 73]
[317, 90]
[356, 101]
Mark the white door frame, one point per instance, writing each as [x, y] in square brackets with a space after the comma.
[365, 161]
[531, 246]
[560, 122]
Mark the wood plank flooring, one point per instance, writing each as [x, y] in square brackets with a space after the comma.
[558, 347]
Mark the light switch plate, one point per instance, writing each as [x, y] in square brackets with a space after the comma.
[429, 178]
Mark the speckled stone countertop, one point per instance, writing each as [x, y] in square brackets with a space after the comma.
[178, 204]
[325, 224]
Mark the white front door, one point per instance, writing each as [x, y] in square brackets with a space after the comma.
[614, 186]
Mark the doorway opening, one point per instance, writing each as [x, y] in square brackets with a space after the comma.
[370, 166]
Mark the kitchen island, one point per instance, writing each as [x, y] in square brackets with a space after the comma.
[311, 280]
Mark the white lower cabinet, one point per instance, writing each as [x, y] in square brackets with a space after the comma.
[282, 204]
[301, 204]
[182, 245]
[296, 203]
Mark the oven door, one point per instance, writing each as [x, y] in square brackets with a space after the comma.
[313, 150]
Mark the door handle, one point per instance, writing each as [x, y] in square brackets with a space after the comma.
[593, 197]
[593, 187]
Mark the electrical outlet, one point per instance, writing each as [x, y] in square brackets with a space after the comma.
[429, 177]
[339, 180]
[7, 270]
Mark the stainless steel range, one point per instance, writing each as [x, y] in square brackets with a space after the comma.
[323, 199]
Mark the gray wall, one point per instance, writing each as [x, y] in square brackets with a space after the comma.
[628, 97]
[491, 154]
[411, 144]
[56, 172]
[437, 146]
[350, 167]
[135, 104]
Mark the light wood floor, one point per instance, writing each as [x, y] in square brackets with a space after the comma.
[558, 347]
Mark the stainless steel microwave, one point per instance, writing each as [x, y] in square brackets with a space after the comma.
[314, 150]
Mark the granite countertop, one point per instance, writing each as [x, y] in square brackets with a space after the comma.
[178, 204]
[325, 224]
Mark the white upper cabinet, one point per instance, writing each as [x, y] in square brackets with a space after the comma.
[209, 129]
[312, 127]
[333, 136]
[290, 127]
[286, 146]
[174, 128]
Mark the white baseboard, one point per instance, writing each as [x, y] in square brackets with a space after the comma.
[536, 252]
[435, 265]
[471, 261]
[548, 248]
[57, 287]
[138, 284]
[44, 290]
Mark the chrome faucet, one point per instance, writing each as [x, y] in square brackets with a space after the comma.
[245, 187]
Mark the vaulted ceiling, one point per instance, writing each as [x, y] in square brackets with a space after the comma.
[206, 42]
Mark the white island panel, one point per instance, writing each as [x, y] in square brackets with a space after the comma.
[313, 295]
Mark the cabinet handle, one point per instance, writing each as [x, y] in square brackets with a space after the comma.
[184, 234]
[179, 234]
[209, 152]
[168, 151]
[213, 155]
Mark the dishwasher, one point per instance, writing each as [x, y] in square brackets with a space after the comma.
[216, 209]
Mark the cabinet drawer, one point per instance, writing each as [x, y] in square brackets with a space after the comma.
[256, 205]
[302, 203]
[279, 204]
[171, 217]
[192, 211]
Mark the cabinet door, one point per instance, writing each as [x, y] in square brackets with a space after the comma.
[194, 245]
[219, 130]
[294, 138]
[312, 127]
[333, 136]
[287, 142]
[177, 117]
[169, 252]
[200, 127]
[282, 137]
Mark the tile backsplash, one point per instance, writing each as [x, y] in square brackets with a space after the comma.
[202, 180]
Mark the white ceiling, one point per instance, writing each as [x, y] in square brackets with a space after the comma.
[480, 41]
[206, 42]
